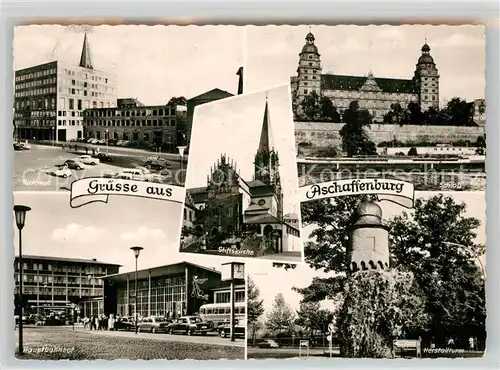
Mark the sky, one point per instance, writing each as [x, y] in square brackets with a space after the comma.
[388, 51]
[105, 231]
[152, 63]
[302, 275]
[233, 126]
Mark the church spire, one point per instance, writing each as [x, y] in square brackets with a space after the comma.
[266, 143]
[86, 57]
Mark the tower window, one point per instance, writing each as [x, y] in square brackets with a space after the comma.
[313, 77]
[305, 91]
[310, 56]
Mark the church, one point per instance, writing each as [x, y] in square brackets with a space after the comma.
[373, 93]
[240, 217]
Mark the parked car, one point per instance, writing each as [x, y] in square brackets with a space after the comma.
[160, 177]
[74, 164]
[22, 146]
[130, 174]
[87, 159]
[189, 325]
[124, 323]
[225, 330]
[103, 157]
[59, 171]
[155, 163]
[268, 343]
[153, 324]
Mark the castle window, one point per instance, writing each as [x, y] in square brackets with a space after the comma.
[313, 77]
[310, 64]
[305, 91]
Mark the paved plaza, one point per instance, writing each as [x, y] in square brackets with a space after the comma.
[30, 166]
[62, 342]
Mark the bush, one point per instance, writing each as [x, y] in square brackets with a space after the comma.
[379, 306]
[326, 152]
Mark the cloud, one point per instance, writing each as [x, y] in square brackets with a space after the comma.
[77, 233]
[144, 233]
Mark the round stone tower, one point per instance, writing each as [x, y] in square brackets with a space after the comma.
[368, 239]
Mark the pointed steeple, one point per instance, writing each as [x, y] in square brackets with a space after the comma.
[240, 80]
[86, 57]
[266, 143]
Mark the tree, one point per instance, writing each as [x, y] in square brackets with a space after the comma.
[282, 317]
[449, 278]
[459, 112]
[318, 109]
[413, 151]
[255, 307]
[311, 317]
[355, 140]
[415, 115]
[177, 100]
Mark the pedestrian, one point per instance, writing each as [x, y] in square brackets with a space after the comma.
[85, 322]
[111, 322]
[93, 151]
[331, 330]
[92, 322]
[86, 150]
[97, 322]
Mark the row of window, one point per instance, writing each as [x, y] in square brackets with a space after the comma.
[34, 92]
[71, 122]
[136, 136]
[30, 290]
[81, 104]
[132, 113]
[59, 279]
[38, 74]
[86, 76]
[80, 92]
[129, 123]
[222, 310]
[61, 268]
[87, 85]
[225, 297]
[72, 113]
[36, 83]
[32, 104]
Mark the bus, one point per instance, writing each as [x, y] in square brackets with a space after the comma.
[220, 313]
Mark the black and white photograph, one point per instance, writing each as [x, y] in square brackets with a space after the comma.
[405, 102]
[380, 281]
[105, 282]
[114, 101]
[241, 184]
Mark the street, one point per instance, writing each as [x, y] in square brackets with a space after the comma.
[30, 166]
[61, 342]
[289, 353]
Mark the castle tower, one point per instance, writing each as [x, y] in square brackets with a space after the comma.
[368, 239]
[426, 80]
[86, 56]
[308, 72]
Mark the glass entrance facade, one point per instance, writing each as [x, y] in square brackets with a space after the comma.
[165, 297]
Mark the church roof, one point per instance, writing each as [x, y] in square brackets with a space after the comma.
[213, 94]
[354, 83]
[86, 56]
[262, 219]
[266, 143]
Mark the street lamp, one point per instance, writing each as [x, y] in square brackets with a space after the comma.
[471, 251]
[136, 250]
[20, 215]
[107, 141]
[233, 271]
[92, 292]
[181, 150]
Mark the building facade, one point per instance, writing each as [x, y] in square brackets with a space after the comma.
[171, 290]
[49, 99]
[131, 120]
[373, 93]
[240, 214]
[51, 283]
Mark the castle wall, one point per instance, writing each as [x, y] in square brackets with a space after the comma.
[322, 134]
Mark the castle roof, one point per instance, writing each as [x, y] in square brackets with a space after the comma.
[354, 83]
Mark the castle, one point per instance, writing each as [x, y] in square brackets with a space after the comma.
[373, 93]
[241, 214]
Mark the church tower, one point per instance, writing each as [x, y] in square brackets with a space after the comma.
[308, 72]
[426, 80]
[266, 164]
[86, 56]
[368, 239]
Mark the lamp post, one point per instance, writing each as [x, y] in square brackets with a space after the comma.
[181, 150]
[136, 250]
[45, 296]
[233, 271]
[107, 141]
[92, 292]
[469, 250]
[20, 215]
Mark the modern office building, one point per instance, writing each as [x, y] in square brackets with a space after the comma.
[177, 289]
[132, 121]
[49, 98]
[53, 283]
